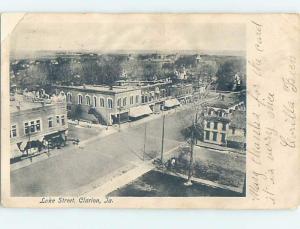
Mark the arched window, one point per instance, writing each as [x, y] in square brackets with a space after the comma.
[95, 101]
[102, 102]
[69, 97]
[110, 103]
[79, 99]
[124, 101]
[88, 100]
[119, 102]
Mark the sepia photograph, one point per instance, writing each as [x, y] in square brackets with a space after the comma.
[149, 111]
[127, 123]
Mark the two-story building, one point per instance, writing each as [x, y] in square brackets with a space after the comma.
[154, 93]
[36, 123]
[218, 116]
[182, 92]
[104, 104]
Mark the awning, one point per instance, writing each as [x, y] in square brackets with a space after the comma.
[135, 112]
[171, 103]
[15, 151]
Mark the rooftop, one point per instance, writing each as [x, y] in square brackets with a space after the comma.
[19, 102]
[101, 88]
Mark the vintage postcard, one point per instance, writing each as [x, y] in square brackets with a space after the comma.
[150, 110]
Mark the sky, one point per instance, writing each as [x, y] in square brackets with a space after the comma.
[111, 34]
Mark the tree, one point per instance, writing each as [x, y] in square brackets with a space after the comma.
[77, 112]
[226, 72]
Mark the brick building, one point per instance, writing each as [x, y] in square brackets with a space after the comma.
[36, 123]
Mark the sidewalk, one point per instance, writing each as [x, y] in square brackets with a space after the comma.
[127, 177]
[219, 148]
[203, 181]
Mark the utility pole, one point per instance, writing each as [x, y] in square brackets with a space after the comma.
[162, 140]
[145, 138]
[119, 119]
[189, 182]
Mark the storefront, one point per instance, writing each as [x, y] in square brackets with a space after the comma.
[57, 139]
[120, 118]
[139, 112]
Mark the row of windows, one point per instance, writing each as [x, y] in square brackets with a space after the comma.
[120, 101]
[59, 120]
[123, 101]
[35, 125]
[216, 125]
[215, 136]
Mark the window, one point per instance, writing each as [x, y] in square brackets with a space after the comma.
[38, 125]
[13, 131]
[207, 135]
[233, 130]
[215, 135]
[95, 101]
[124, 101]
[208, 124]
[137, 99]
[215, 125]
[50, 122]
[88, 100]
[26, 128]
[79, 99]
[69, 97]
[131, 99]
[101, 102]
[63, 120]
[32, 126]
[109, 103]
[119, 101]
[143, 98]
[224, 126]
[223, 138]
[57, 119]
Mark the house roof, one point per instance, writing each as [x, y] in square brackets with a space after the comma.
[238, 119]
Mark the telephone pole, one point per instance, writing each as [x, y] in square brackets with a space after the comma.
[145, 138]
[189, 182]
[162, 140]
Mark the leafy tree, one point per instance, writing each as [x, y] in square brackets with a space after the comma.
[226, 72]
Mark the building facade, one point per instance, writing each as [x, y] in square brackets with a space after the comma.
[36, 123]
[110, 105]
[218, 118]
[101, 104]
